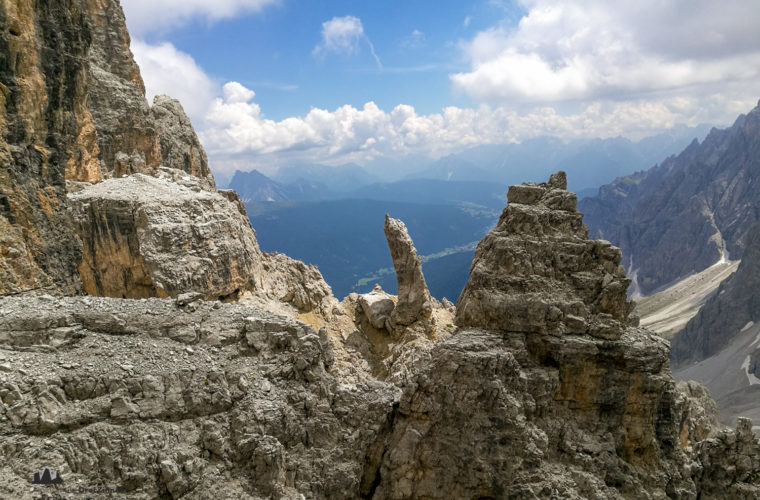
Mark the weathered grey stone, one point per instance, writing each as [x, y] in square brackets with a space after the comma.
[538, 272]
[378, 307]
[413, 295]
[146, 237]
[180, 147]
[140, 413]
[292, 281]
[186, 398]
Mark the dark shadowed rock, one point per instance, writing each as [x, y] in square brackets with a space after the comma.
[735, 304]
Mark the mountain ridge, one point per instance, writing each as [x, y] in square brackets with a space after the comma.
[702, 199]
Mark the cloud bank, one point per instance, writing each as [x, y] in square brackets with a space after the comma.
[595, 49]
[571, 69]
[146, 16]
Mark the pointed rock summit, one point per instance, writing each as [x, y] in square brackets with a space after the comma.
[413, 296]
[537, 271]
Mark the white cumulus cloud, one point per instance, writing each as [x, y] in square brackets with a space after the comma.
[343, 35]
[595, 49]
[167, 70]
[144, 16]
[571, 70]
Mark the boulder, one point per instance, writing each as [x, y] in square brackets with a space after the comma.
[152, 237]
[378, 307]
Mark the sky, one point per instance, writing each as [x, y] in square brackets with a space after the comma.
[268, 83]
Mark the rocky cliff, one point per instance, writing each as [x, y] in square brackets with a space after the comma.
[735, 304]
[555, 395]
[190, 399]
[537, 271]
[73, 109]
[679, 217]
[719, 346]
[144, 236]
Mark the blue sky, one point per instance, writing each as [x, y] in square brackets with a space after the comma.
[270, 82]
[272, 53]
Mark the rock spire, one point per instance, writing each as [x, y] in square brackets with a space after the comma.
[413, 295]
[537, 271]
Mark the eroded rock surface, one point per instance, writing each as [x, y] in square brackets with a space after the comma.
[72, 108]
[378, 307]
[162, 401]
[537, 271]
[735, 305]
[679, 217]
[413, 295]
[180, 147]
[294, 282]
[544, 392]
[145, 237]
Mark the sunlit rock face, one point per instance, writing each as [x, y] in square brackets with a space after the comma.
[72, 108]
[414, 302]
[537, 271]
[153, 237]
[544, 391]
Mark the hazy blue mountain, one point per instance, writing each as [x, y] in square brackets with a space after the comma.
[254, 186]
[395, 169]
[345, 239]
[452, 168]
[589, 163]
[429, 191]
[337, 179]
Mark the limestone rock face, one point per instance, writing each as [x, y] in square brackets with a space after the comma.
[144, 236]
[72, 108]
[491, 414]
[735, 304]
[413, 295]
[292, 281]
[126, 137]
[537, 271]
[378, 307]
[180, 147]
[163, 401]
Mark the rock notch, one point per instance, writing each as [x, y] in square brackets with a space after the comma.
[413, 296]
[537, 271]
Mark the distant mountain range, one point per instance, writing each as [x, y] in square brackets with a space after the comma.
[469, 188]
[589, 164]
[680, 216]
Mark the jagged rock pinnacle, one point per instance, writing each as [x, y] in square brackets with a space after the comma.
[413, 295]
[538, 272]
